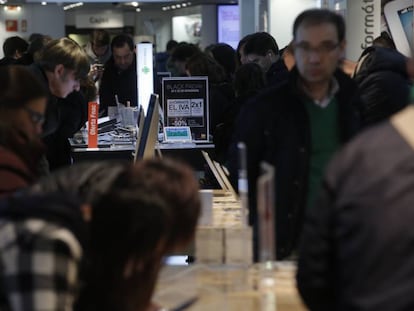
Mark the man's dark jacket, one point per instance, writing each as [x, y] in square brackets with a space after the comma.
[64, 117]
[121, 83]
[275, 127]
[277, 74]
[357, 243]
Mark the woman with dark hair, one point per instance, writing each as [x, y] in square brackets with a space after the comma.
[131, 216]
[248, 81]
[22, 108]
[102, 229]
[221, 94]
[157, 207]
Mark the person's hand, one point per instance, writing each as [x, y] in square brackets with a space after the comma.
[96, 71]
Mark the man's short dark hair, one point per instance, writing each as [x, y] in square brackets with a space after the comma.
[385, 41]
[67, 52]
[171, 45]
[100, 37]
[120, 40]
[184, 51]
[315, 17]
[13, 44]
[260, 43]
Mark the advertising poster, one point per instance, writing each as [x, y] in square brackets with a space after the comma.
[187, 28]
[397, 21]
[185, 103]
[367, 19]
[228, 22]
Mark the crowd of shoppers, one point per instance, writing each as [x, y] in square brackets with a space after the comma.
[339, 134]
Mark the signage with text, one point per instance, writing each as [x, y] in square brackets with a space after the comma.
[99, 20]
[93, 109]
[185, 102]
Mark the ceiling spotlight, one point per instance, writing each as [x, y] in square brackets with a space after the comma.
[178, 6]
[164, 8]
[138, 9]
[173, 7]
[184, 5]
[135, 4]
[12, 8]
[73, 5]
[43, 3]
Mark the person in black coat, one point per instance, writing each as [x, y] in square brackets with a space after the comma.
[13, 49]
[61, 67]
[261, 48]
[383, 80]
[299, 125]
[120, 75]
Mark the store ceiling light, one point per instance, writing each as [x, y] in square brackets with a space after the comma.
[135, 4]
[12, 8]
[44, 3]
[138, 9]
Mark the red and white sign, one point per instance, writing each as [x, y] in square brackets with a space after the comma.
[93, 109]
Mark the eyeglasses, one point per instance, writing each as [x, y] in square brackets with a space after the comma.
[36, 117]
[323, 48]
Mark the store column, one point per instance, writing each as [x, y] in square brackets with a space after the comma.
[247, 19]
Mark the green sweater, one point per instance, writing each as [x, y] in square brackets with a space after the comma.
[324, 142]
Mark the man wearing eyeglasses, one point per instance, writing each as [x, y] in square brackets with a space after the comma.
[298, 126]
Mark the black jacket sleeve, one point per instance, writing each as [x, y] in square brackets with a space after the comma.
[315, 265]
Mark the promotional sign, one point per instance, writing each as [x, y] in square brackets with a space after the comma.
[185, 102]
[228, 24]
[145, 74]
[363, 21]
[93, 109]
[367, 19]
[187, 28]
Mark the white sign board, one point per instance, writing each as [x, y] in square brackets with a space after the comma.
[99, 20]
[363, 21]
[145, 74]
[228, 21]
[187, 28]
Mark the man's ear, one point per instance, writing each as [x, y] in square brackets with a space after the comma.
[17, 55]
[59, 70]
[342, 47]
[86, 210]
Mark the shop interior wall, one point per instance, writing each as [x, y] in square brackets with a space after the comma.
[282, 17]
[52, 19]
[47, 20]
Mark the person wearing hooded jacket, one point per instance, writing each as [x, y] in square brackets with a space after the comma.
[382, 77]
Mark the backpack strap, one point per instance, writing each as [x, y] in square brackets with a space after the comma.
[403, 122]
